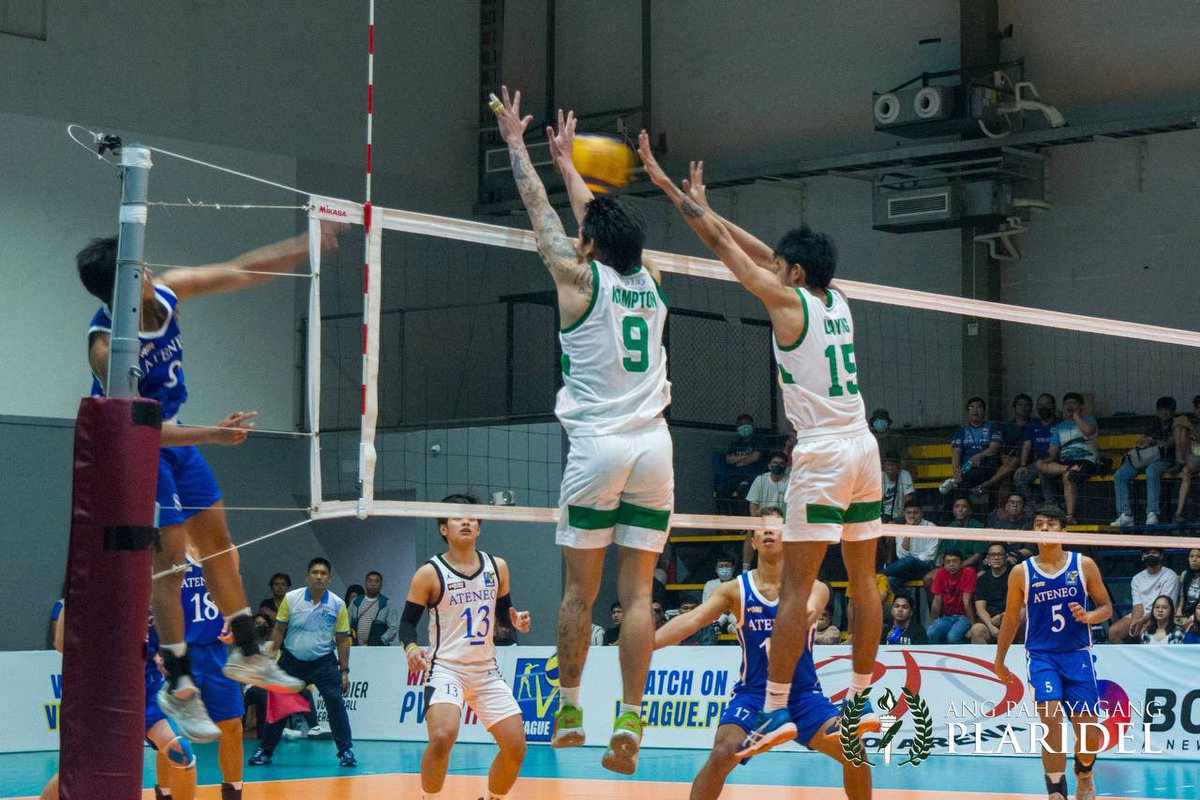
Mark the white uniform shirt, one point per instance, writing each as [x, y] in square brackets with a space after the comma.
[818, 373]
[613, 360]
[462, 618]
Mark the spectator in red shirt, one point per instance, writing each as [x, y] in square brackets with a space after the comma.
[953, 611]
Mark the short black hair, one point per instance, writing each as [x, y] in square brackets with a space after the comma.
[1146, 550]
[455, 498]
[1196, 400]
[616, 604]
[776, 454]
[891, 455]
[617, 229]
[914, 503]
[1165, 402]
[1051, 511]
[355, 588]
[814, 252]
[1001, 545]
[1053, 399]
[904, 597]
[725, 557]
[1022, 396]
[1076, 396]
[747, 417]
[976, 399]
[376, 573]
[953, 552]
[322, 561]
[283, 575]
[97, 265]
[689, 598]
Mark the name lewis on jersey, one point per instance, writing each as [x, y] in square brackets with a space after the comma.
[837, 325]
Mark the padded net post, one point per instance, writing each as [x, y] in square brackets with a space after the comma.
[108, 598]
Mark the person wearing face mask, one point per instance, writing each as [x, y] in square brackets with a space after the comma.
[1150, 583]
[741, 464]
[770, 488]
[1035, 444]
[724, 569]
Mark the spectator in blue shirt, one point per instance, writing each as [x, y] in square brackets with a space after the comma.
[1035, 443]
[974, 450]
[1152, 453]
[743, 461]
[1072, 456]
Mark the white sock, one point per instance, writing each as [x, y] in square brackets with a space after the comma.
[431, 796]
[179, 649]
[568, 695]
[163, 792]
[235, 785]
[859, 681]
[777, 696]
[627, 708]
[494, 796]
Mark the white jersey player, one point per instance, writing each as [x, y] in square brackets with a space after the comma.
[834, 493]
[465, 591]
[618, 484]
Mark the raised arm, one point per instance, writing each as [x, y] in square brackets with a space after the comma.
[571, 276]
[724, 598]
[764, 285]
[562, 144]
[758, 250]
[251, 268]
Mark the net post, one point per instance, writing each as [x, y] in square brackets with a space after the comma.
[313, 357]
[125, 348]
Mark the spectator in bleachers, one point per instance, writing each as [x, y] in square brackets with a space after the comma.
[1189, 583]
[1187, 455]
[281, 584]
[770, 488]
[1035, 443]
[616, 614]
[706, 635]
[884, 431]
[658, 614]
[914, 554]
[1191, 631]
[1012, 440]
[898, 488]
[742, 463]
[1162, 629]
[972, 551]
[827, 632]
[789, 444]
[1072, 456]
[953, 610]
[1012, 516]
[1152, 454]
[353, 592]
[727, 622]
[991, 595]
[974, 450]
[1150, 583]
[904, 630]
[375, 620]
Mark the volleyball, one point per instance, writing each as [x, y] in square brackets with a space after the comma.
[604, 161]
[552, 670]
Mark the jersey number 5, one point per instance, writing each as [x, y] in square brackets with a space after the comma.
[635, 336]
[835, 386]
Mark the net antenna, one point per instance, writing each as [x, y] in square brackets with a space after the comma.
[373, 237]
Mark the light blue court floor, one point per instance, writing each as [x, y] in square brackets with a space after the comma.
[310, 770]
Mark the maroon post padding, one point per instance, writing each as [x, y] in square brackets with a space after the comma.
[108, 597]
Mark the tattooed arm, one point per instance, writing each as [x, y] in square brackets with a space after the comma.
[763, 284]
[760, 253]
[556, 249]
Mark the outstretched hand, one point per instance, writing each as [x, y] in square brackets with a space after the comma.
[233, 428]
[330, 231]
[650, 163]
[508, 115]
[519, 619]
[562, 141]
[693, 185]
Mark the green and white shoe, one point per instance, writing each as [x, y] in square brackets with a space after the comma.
[622, 753]
[568, 726]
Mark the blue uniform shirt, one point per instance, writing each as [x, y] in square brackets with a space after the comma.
[202, 620]
[972, 440]
[161, 356]
[754, 635]
[1050, 627]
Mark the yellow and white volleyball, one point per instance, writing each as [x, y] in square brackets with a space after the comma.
[604, 161]
[552, 670]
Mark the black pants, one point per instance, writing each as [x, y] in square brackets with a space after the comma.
[322, 673]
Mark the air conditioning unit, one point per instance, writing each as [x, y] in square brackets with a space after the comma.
[949, 206]
[920, 111]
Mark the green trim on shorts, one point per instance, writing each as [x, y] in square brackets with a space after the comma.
[591, 519]
[817, 513]
[863, 512]
[640, 517]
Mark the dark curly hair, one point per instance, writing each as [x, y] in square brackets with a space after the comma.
[617, 229]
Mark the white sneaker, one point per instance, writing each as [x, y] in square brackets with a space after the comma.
[291, 734]
[189, 714]
[260, 670]
[1152, 518]
[1123, 521]
[320, 732]
[947, 486]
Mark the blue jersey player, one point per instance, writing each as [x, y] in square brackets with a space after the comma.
[190, 506]
[753, 598]
[1054, 588]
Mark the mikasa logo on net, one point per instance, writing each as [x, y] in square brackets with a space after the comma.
[337, 212]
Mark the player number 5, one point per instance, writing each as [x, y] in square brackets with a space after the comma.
[1060, 621]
